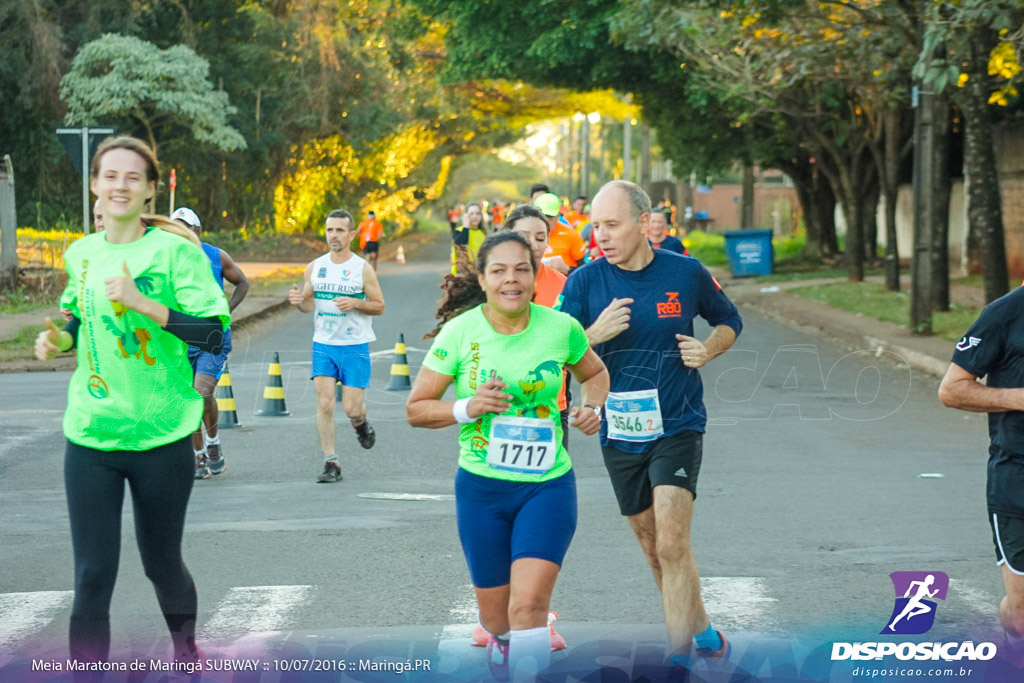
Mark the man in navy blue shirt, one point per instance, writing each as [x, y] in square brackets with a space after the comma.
[994, 346]
[637, 305]
[657, 234]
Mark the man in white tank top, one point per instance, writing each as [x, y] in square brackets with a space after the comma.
[342, 290]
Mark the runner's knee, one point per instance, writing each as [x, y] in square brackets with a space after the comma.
[672, 550]
[528, 609]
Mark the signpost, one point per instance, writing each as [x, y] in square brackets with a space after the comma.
[81, 144]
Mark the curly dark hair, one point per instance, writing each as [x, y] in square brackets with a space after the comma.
[463, 292]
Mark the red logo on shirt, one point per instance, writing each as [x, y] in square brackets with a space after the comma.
[671, 308]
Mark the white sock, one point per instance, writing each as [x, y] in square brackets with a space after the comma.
[529, 652]
[207, 440]
[200, 452]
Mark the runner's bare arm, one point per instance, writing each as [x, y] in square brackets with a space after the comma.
[373, 304]
[695, 353]
[302, 299]
[593, 377]
[962, 390]
[426, 409]
[233, 274]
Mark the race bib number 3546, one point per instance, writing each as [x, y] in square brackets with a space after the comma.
[633, 415]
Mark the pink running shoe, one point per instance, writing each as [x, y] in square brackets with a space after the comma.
[557, 641]
[497, 659]
[480, 636]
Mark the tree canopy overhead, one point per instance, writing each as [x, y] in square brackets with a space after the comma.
[116, 77]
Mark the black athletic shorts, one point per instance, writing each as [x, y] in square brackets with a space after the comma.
[371, 247]
[672, 460]
[1008, 536]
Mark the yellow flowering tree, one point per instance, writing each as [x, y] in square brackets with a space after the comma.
[972, 48]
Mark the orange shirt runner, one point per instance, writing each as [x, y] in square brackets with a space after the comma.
[370, 230]
[567, 243]
[545, 293]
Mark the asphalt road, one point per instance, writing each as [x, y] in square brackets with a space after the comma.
[810, 495]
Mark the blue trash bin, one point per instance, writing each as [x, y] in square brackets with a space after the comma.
[750, 252]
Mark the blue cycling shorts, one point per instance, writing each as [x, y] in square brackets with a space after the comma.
[502, 521]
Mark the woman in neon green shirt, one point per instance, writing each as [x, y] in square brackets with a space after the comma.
[515, 490]
[131, 406]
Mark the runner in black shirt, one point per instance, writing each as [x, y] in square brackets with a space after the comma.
[994, 346]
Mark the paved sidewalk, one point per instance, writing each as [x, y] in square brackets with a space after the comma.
[927, 354]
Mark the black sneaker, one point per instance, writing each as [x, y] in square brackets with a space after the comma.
[331, 473]
[214, 459]
[367, 437]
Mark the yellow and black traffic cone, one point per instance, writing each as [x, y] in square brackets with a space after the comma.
[273, 392]
[399, 368]
[226, 401]
[337, 392]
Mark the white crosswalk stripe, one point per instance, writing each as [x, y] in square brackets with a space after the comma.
[246, 614]
[455, 636]
[737, 602]
[978, 600]
[23, 614]
[254, 609]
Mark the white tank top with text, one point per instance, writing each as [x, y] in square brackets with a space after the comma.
[332, 280]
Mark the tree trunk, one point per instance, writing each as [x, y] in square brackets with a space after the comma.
[818, 204]
[985, 208]
[812, 230]
[825, 210]
[942, 187]
[891, 184]
[921, 264]
[747, 200]
[869, 220]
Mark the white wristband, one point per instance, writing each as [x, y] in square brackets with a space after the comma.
[460, 410]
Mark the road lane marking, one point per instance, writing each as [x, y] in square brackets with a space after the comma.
[455, 637]
[737, 602]
[23, 614]
[978, 600]
[253, 609]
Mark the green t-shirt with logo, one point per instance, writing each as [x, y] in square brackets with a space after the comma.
[132, 389]
[529, 362]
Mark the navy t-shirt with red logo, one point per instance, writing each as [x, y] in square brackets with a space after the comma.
[994, 346]
[667, 295]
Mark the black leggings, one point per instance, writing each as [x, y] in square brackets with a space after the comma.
[161, 481]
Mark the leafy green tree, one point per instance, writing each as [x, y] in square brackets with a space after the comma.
[167, 92]
[970, 53]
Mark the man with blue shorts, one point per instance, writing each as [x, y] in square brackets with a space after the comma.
[637, 305]
[343, 292]
[207, 367]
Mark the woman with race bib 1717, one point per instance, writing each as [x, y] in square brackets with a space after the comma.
[515, 489]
